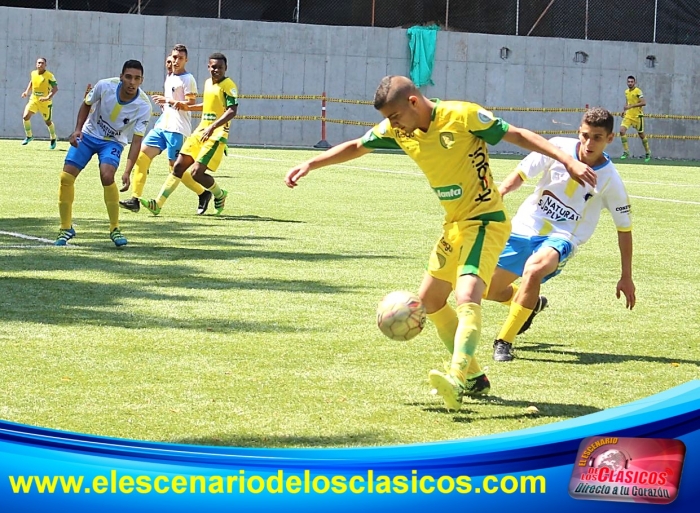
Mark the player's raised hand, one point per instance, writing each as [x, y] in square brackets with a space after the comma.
[626, 286]
[295, 173]
[24, 94]
[75, 138]
[581, 173]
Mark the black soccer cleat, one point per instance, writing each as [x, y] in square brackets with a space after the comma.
[204, 200]
[131, 204]
[502, 351]
[477, 386]
[541, 305]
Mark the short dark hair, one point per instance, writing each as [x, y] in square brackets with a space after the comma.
[132, 64]
[42, 59]
[391, 88]
[218, 57]
[600, 118]
[180, 48]
[632, 77]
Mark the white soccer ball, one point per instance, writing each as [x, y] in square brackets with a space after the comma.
[401, 315]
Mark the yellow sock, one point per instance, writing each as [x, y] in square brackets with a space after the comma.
[191, 184]
[169, 186]
[111, 194]
[645, 142]
[625, 144]
[216, 191]
[466, 340]
[517, 316]
[52, 131]
[139, 174]
[66, 195]
[445, 321]
[27, 128]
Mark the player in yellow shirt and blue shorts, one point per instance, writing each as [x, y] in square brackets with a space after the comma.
[633, 117]
[41, 89]
[204, 149]
[448, 142]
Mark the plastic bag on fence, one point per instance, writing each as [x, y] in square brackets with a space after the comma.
[422, 41]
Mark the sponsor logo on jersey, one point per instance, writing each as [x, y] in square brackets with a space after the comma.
[624, 210]
[556, 209]
[448, 192]
[447, 140]
[484, 116]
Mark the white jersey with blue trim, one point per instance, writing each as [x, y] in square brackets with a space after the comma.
[560, 207]
[110, 119]
[177, 88]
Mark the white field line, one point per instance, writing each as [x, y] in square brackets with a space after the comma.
[26, 237]
[379, 170]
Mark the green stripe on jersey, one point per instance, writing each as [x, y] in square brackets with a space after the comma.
[371, 140]
[493, 134]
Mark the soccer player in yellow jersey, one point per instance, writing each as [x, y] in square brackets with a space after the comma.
[633, 117]
[448, 142]
[42, 87]
[204, 149]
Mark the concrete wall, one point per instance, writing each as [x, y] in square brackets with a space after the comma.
[346, 62]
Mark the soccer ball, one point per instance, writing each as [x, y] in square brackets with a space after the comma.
[401, 315]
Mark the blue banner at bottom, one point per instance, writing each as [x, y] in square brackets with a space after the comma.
[547, 467]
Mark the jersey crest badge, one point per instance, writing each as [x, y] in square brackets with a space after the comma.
[447, 140]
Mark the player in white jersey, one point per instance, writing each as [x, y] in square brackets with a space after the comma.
[554, 221]
[114, 111]
[170, 131]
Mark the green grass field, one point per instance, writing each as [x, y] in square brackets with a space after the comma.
[257, 328]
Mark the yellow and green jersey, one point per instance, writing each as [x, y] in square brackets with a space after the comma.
[631, 97]
[217, 99]
[42, 83]
[453, 156]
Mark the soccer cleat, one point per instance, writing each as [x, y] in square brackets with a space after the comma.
[27, 140]
[52, 144]
[477, 386]
[624, 156]
[647, 157]
[151, 205]
[220, 203]
[541, 305]
[64, 236]
[117, 237]
[502, 351]
[131, 204]
[448, 388]
[204, 200]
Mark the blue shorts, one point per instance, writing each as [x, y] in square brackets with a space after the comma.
[519, 248]
[172, 141]
[108, 152]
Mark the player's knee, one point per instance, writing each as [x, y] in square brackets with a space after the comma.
[535, 272]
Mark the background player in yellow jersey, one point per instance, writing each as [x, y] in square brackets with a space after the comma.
[633, 117]
[205, 148]
[42, 87]
[170, 131]
[448, 142]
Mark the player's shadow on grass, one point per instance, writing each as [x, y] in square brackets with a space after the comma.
[583, 358]
[287, 441]
[465, 414]
[255, 218]
[81, 303]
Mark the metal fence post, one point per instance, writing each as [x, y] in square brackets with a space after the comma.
[656, 12]
[139, 7]
[57, 5]
[447, 15]
[517, 17]
[296, 12]
[586, 28]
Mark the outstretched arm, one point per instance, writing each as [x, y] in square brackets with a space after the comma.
[27, 90]
[533, 142]
[511, 183]
[626, 285]
[348, 150]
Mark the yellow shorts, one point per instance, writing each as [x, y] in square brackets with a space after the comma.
[45, 108]
[636, 123]
[208, 153]
[468, 247]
